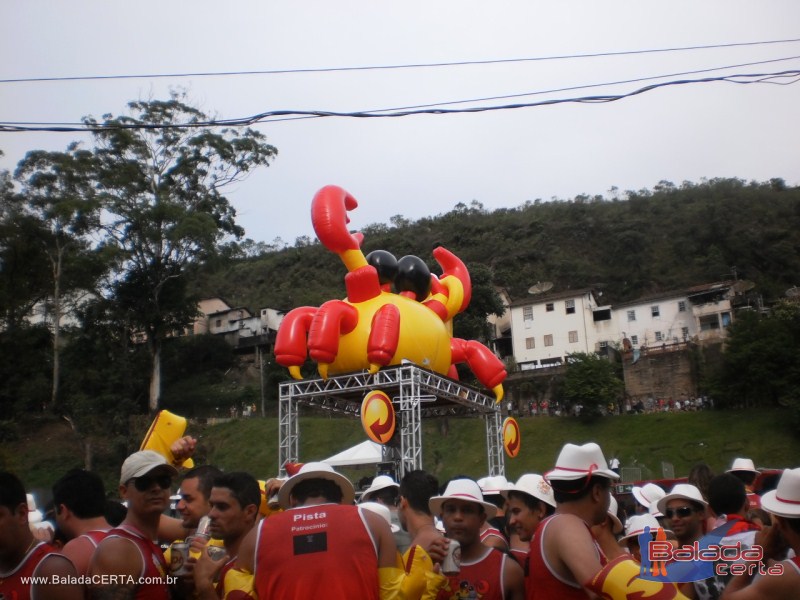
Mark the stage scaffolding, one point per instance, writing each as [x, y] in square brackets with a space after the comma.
[415, 392]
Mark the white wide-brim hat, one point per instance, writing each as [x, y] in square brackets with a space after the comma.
[382, 511]
[534, 485]
[613, 508]
[317, 470]
[647, 494]
[634, 526]
[743, 464]
[784, 500]
[465, 490]
[493, 485]
[682, 490]
[575, 462]
[653, 510]
[381, 482]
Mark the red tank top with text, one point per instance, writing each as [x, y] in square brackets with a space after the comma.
[11, 585]
[154, 565]
[482, 578]
[323, 551]
[541, 583]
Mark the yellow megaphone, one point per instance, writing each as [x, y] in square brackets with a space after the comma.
[166, 429]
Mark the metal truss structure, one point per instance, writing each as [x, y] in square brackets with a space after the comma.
[416, 393]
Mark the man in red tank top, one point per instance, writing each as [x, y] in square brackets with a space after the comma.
[564, 556]
[22, 556]
[486, 572]
[128, 563]
[321, 546]
[783, 503]
[528, 502]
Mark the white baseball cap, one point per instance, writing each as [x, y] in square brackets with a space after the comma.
[143, 462]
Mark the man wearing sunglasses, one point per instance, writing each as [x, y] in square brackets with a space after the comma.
[128, 563]
[685, 510]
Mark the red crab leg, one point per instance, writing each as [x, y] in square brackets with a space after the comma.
[334, 318]
[290, 344]
[489, 369]
[383, 337]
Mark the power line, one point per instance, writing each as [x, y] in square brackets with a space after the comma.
[390, 67]
[782, 77]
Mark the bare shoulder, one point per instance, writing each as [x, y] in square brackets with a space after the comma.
[116, 555]
[56, 564]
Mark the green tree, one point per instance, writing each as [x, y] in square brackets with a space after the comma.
[58, 191]
[761, 362]
[161, 173]
[592, 382]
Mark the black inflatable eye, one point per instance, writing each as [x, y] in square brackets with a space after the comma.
[385, 263]
[413, 275]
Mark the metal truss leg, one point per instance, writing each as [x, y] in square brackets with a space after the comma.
[288, 428]
[494, 443]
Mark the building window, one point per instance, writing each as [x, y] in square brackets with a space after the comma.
[631, 315]
[634, 340]
[548, 339]
[726, 319]
[603, 345]
[685, 332]
[218, 322]
[530, 343]
[527, 313]
[658, 336]
[573, 337]
[654, 311]
[569, 306]
[682, 306]
[549, 307]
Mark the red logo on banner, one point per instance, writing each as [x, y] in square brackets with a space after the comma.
[377, 416]
[512, 439]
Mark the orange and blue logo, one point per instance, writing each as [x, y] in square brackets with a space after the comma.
[512, 438]
[378, 417]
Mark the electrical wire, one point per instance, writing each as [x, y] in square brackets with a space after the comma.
[394, 67]
[783, 77]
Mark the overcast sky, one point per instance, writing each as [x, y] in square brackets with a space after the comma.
[420, 166]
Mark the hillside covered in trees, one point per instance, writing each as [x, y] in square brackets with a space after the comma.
[634, 244]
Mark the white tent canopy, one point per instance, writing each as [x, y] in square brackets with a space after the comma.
[365, 453]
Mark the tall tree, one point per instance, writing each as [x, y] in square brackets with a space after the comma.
[162, 173]
[592, 382]
[58, 191]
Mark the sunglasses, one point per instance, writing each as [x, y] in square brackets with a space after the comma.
[145, 483]
[681, 511]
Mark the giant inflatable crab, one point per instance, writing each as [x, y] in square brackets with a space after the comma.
[376, 327]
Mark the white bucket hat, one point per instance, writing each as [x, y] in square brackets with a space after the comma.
[493, 485]
[681, 490]
[317, 470]
[466, 490]
[575, 462]
[653, 510]
[381, 482]
[382, 511]
[784, 500]
[534, 485]
[743, 464]
[613, 507]
[634, 526]
[648, 494]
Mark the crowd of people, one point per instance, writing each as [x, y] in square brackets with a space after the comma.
[558, 535]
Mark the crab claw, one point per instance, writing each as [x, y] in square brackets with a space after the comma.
[295, 372]
[455, 267]
[329, 217]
